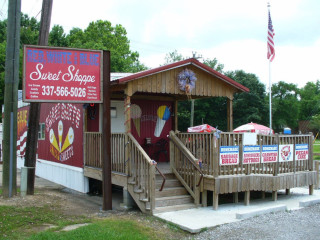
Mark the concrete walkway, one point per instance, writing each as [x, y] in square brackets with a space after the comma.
[194, 220]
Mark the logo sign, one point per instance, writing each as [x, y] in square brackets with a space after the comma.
[302, 152]
[251, 154]
[269, 153]
[286, 153]
[62, 75]
[229, 155]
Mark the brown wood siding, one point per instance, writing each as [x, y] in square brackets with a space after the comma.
[166, 82]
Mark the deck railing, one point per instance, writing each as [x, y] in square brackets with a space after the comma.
[206, 146]
[93, 151]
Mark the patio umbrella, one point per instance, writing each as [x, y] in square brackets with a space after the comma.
[254, 128]
[201, 128]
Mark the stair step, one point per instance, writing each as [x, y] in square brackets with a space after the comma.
[173, 208]
[173, 200]
[173, 191]
[166, 175]
[168, 183]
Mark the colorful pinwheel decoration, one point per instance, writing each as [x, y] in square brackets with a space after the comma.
[186, 81]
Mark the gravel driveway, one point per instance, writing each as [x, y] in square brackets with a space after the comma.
[300, 224]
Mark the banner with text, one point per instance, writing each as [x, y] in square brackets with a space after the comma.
[62, 75]
[269, 153]
[251, 154]
[229, 155]
[302, 152]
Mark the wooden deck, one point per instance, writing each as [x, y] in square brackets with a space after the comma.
[133, 169]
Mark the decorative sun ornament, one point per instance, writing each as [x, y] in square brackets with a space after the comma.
[186, 81]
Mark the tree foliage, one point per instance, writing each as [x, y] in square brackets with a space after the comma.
[249, 106]
[285, 106]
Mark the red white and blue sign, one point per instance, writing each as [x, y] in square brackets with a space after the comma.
[229, 155]
[62, 75]
[302, 152]
[251, 154]
[269, 154]
[286, 153]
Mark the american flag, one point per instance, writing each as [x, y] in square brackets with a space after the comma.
[271, 51]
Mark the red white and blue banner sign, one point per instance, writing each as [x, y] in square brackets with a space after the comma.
[269, 153]
[286, 153]
[229, 155]
[251, 154]
[62, 75]
[302, 151]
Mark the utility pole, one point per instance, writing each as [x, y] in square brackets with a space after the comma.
[34, 112]
[9, 177]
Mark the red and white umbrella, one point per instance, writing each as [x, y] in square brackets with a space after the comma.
[254, 128]
[201, 128]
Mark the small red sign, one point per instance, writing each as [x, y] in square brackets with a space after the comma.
[62, 75]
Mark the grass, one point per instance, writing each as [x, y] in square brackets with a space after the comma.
[31, 223]
[19, 223]
[105, 229]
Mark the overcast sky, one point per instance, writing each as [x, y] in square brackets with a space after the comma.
[233, 31]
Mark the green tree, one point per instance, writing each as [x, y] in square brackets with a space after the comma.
[249, 106]
[57, 37]
[285, 106]
[309, 100]
[103, 36]
[172, 57]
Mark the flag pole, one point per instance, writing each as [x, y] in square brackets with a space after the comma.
[270, 56]
[270, 99]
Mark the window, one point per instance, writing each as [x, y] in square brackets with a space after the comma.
[41, 133]
[113, 112]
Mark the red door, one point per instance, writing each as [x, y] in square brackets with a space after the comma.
[151, 122]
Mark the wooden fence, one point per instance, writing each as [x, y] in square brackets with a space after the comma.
[206, 148]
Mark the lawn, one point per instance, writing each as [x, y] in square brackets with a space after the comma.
[46, 222]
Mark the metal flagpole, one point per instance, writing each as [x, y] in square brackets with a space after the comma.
[270, 97]
[270, 56]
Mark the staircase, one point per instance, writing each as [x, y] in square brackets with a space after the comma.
[173, 196]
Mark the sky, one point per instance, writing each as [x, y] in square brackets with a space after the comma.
[232, 31]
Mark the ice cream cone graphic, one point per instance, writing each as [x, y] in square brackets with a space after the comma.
[53, 139]
[135, 112]
[60, 131]
[163, 115]
[69, 139]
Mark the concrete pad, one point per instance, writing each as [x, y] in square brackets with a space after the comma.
[257, 212]
[307, 203]
[197, 219]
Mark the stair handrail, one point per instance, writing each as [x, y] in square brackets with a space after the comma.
[188, 156]
[151, 162]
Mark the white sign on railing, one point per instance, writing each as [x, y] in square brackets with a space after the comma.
[229, 155]
[286, 153]
[269, 153]
[251, 154]
[302, 152]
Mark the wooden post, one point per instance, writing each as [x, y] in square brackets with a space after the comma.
[318, 177]
[274, 195]
[176, 116]
[215, 200]
[247, 198]
[152, 172]
[34, 111]
[230, 115]
[204, 198]
[235, 197]
[106, 135]
[9, 157]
